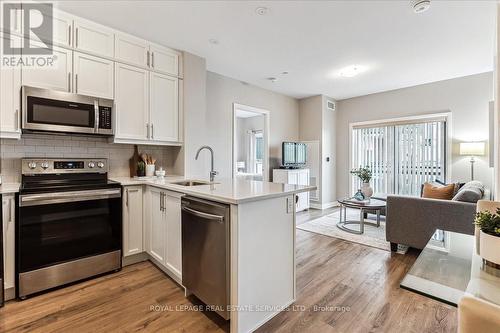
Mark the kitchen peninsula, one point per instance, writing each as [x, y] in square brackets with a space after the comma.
[262, 238]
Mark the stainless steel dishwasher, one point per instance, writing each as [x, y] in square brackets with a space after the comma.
[205, 252]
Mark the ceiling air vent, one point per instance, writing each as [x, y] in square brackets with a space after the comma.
[330, 105]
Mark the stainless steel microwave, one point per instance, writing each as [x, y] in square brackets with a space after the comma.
[56, 111]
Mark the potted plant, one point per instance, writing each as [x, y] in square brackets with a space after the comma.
[364, 175]
[141, 169]
[488, 235]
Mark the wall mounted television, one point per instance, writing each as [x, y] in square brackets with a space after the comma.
[293, 154]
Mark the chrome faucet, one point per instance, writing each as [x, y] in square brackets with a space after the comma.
[213, 173]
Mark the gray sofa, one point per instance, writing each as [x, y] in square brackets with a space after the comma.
[412, 220]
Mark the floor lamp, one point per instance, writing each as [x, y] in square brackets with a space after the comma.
[472, 149]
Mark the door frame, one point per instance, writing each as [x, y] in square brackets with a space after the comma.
[266, 114]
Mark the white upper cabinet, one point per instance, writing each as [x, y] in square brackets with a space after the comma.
[164, 59]
[164, 109]
[131, 50]
[93, 75]
[62, 26]
[57, 77]
[94, 38]
[10, 95]
[15, 25]
[131, 103]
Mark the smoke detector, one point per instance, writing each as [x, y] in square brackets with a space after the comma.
[261, 10]
[420, 6]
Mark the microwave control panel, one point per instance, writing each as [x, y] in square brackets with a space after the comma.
[105, 117]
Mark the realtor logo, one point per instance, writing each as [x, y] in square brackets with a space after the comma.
[37, 25]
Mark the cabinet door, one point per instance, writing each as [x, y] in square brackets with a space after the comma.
[132, 220]
[164, 59]
[293, 178]
[57, 77]
[94, 38]
[164, 100]
[303, 177]
[16, 18]
[8, 218]
[131, 102]
[10, 95]
[174, 239]
[157, 233]
[131, 50]
[62, 29]
[93, 75]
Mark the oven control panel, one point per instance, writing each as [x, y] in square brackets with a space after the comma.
[63, 165]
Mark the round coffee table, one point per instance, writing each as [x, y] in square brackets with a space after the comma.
[373, 205]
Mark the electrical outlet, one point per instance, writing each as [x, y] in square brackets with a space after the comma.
[289, 205]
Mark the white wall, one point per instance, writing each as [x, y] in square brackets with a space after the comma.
[467, 98]
[222, 92]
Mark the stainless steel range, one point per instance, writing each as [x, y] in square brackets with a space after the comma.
[69, 223]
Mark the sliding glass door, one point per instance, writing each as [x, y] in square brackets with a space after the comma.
[402, 156]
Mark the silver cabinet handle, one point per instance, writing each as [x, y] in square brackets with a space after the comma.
[69, 82]
[126, 198]
[69, 35]
[152, 132]
[147, 130]
[153, 59]
[207, 216]
[76, 83]
[10, 210]
[76, 37]
[161, 201]
[147, 60]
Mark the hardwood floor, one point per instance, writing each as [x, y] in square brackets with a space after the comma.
[341, 287]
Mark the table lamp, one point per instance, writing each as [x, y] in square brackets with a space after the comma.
[472, 149]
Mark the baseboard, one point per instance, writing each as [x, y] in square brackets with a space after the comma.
[134, 259]
[324, 205]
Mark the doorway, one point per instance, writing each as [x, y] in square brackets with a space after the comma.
[250, 143]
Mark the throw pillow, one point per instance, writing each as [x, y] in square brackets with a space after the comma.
[470, 192]
[431, 191]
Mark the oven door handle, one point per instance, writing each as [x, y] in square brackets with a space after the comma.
[70, 196]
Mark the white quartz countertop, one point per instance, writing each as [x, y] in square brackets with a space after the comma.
[233, 191]
[9, 188]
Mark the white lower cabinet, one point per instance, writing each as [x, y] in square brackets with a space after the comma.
[294, 177]
[162, 228]
[158, 226]
[132, 220]
[174, 232]
[8, 218]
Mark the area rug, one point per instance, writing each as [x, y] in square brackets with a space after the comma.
[372, 236]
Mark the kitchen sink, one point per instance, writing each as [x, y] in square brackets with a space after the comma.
[192, 183]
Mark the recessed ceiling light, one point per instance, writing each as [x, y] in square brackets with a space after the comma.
[351, 71]
[284, 73]
[272, 79]
[213, 41]
[262, 10]
[420, 6]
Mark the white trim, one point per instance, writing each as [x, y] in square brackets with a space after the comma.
[266, 114]
[446, 114]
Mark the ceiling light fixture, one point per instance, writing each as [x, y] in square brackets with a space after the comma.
[272, 79]
[351, 71]
[262, 10]
[213, 41]
[284, 73]
[420, 6]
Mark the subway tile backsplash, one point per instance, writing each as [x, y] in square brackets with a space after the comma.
[69, 146]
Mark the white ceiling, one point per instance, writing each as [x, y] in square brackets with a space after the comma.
[313, 40]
